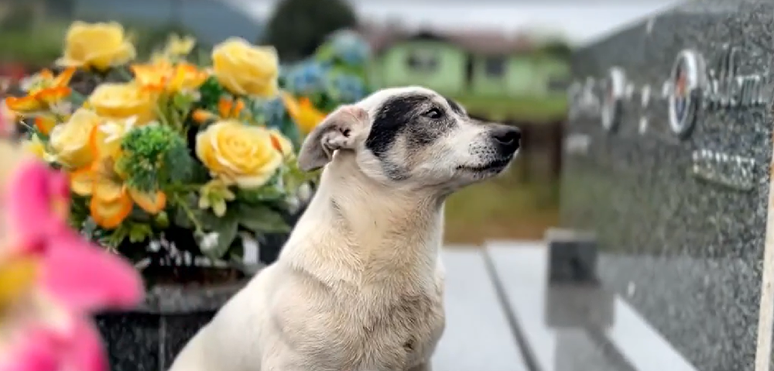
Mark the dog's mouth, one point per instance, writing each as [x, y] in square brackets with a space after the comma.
[495, 166]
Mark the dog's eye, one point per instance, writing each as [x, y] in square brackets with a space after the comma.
[433, 113]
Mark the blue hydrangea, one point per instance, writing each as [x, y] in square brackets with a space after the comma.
[274, 112]
[347, 88]
[349, 47]
[307, 77]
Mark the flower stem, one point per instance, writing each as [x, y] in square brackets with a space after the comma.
[189, 213]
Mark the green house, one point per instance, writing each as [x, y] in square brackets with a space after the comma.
[493, 76]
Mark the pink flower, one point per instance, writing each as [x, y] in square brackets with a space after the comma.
[45, 323]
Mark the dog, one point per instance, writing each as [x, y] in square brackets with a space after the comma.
[358, 285]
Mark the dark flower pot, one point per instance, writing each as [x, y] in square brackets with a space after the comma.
[149, 337]
[180, 301]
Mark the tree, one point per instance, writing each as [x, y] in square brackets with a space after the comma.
[298, 27]
[557, 48]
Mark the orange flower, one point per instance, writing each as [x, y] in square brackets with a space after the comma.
[281, 143]
[164, 77]
[227, 109]
[303, 112]
[112, 199]
[45, 123]
[43, 91]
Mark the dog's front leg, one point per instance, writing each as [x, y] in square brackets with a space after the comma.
[425, 366]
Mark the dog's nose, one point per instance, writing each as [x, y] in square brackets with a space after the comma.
[507, 138]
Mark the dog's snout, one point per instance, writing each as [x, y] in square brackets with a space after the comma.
[508, 138]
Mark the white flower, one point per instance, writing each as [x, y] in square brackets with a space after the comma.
[304, 192]
[30, 82]
[115, 130]
[209, 241]
[62, 108]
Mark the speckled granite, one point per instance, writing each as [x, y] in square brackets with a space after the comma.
[685, 253]
[149, 337]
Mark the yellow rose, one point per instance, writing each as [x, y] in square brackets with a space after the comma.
[246, 69]
[96, 45]
[238, 154]
[124, 101]
[69, 142]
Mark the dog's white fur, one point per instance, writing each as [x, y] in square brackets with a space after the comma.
[359, 284]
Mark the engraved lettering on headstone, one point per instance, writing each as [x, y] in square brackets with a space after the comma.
[731, 171]
[687, 82]
[666, 89]
[589, 102]
[629, 91]
[614, 90]
[573, 99]
[644, 102]
[727, 89]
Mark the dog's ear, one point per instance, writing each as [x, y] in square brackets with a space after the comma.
[337, 131]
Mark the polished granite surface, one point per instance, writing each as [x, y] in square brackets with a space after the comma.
[575, 326]
[680, 220]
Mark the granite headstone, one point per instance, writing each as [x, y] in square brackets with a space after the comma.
[667, 160]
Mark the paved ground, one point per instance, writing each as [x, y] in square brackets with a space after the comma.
[503, 316]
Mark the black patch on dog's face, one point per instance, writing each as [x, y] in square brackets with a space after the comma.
[393, 116]
[416, 119]
[455, 107]
[406, 115]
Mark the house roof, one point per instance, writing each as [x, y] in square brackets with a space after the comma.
[486, 42]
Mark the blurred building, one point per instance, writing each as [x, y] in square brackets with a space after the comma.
[504, 76]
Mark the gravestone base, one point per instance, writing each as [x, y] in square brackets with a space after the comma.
[572, 256]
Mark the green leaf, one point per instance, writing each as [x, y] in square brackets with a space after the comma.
[267, 193]
[139, 232]
[210, 91]
[161, 220]
[182, 102]
[226, 230]
[261, 219]
[77, 99]
[180, 218]
[114, 238]
[186, 207]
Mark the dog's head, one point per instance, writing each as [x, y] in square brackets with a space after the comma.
[411, 136]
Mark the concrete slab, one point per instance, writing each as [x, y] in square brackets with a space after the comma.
[477, 336]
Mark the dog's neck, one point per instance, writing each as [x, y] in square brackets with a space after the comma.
[363, 232]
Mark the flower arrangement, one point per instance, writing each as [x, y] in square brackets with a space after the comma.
[51, 279]
[164, 149]
[336, 74]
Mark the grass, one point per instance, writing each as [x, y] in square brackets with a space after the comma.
[502, 208]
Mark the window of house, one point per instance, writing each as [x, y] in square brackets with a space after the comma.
[558, 84]
[495, 66]
[422, 60]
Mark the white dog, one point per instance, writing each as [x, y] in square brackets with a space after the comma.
[359, 284]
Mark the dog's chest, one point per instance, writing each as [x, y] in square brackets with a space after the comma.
[399, 331]
[371, 333]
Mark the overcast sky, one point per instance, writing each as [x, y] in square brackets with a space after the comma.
[579, 21]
